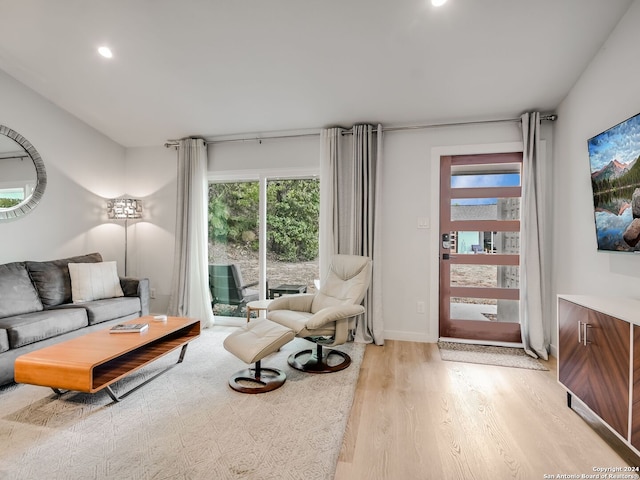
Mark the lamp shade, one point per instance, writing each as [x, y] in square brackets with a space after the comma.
[124, 208]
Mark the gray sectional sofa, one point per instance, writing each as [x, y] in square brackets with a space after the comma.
[36, 308]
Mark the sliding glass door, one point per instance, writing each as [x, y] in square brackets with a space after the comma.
[268, 229]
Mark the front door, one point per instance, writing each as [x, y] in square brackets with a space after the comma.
[480, 247]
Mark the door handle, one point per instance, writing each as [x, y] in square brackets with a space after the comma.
[584, 335]
[579, 331]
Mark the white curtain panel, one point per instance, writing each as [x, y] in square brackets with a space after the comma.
[365, 222]
[350, 211]
[532, 241]
[330, 147]
[190, 286]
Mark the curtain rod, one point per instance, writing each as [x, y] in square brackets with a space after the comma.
[550, 117]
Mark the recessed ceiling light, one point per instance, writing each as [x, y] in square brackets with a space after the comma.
[437, 3]
[105, 52]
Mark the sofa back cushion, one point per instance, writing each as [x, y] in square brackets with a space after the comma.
[52, 280]
[17, 294]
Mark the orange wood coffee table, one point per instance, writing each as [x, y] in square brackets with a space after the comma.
[95, 361]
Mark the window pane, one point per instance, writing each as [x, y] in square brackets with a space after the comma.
[10, 197]
[233, 240]
[293, 207]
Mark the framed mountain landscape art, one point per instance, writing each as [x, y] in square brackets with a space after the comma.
[615, 181]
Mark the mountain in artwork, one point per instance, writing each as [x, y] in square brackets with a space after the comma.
[612, 170]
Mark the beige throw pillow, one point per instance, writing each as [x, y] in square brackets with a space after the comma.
[94, 281]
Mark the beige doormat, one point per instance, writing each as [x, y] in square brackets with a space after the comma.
[501, 356]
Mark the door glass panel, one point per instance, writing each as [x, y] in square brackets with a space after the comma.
[489, 310]
[460, 179]
[233, 240]
[293, 207]
[487, 276]
[485, 209]
[471, 243]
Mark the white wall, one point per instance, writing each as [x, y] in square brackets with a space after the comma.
[152, 177]
[83, 168]
[274, 153]
[606, 94]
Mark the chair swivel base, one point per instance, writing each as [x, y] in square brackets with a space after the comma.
[257, 380]
[318, 361]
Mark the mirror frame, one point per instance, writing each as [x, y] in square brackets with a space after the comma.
[41, 177]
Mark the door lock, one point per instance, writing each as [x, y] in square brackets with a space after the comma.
[446, 242]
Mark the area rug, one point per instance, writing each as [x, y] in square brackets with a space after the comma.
[187, 424]
[501, 356]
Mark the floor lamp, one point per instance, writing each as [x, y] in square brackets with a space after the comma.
[124, 208]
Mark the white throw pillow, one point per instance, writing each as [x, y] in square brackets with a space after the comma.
[94, 281]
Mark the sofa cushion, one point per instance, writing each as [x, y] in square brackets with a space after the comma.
[17, 293]
[94, 281]
[4, 341]
[106, 309]
[33, 327]
[52, 280]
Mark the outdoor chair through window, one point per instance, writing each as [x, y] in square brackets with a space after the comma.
[227, 287]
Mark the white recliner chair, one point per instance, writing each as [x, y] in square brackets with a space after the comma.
[326, 317]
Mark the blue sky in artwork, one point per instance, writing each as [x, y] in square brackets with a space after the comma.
[484, 180]
[621, 143]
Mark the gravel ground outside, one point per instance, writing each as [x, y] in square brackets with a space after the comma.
[278, 273]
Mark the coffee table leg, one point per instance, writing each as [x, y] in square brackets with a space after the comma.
[117, 398]
[113, 396]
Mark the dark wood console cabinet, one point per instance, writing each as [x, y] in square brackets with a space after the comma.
[598, 344]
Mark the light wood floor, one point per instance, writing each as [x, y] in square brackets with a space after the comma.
[418, 417]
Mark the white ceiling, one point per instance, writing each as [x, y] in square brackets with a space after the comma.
[222, 67]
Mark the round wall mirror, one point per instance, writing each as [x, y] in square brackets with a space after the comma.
[22, 175]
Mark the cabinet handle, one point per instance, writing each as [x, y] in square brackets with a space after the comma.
[584, 336]
[579, 331]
